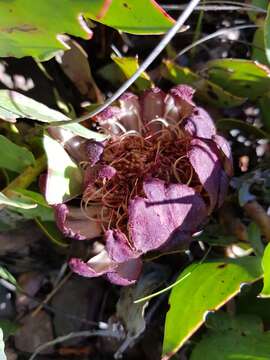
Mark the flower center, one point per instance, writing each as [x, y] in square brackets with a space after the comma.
[135, 157]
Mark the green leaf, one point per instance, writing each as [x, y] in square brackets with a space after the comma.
[232, 345]
[64, 180]
[13, 157]
[222, 321]
[239, 338]
[132, 16]
[209, 286]
[32, 28]
[32, 196]
[229, 124]
[266, 273]
[82, 131]
[267, 34]
[255, 239]
[51, 231]
[15, 203]
[42, 211]
[129, 65]
[240, 77]
[6, 275]
[2, 347]
[14, 105]
[258, 48]
[206, 90]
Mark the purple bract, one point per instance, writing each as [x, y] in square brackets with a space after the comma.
[150, 185]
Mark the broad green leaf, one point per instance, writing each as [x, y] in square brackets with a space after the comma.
[15, 203]
[13, 157]
[132, 16]
[206, 90]
[32, 28]
[6, 275]
[129, 65]
[32, 196]
[238, 338]
[258, 47]
[230, 345]
[267, 34]
[64, 179]
[229, 124]
[266, 272]
[2, 347]
[222, 321]
[208, 286]
[14, 105]
[51, 231]
[240, 77]
[42, 211]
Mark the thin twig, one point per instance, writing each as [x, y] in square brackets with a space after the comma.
[103, 333]
[213, 35]
[51, 294]
[234, 6]
[148, 61]
[214, 2]
[211, 8]
[230, 2]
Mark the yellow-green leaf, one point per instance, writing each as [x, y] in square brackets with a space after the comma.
[267, 34]
[4, 200]
[64, 179]
[208, 286]
[206, 90]
[129, 65]
[266, 272]
[240, 77]
[14, 157]
[32, 28]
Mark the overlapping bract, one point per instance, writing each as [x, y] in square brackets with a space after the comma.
[155, 181]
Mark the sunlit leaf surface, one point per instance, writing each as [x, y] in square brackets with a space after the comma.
[207, 288]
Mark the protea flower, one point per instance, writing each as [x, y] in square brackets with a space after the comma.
[150, 185]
